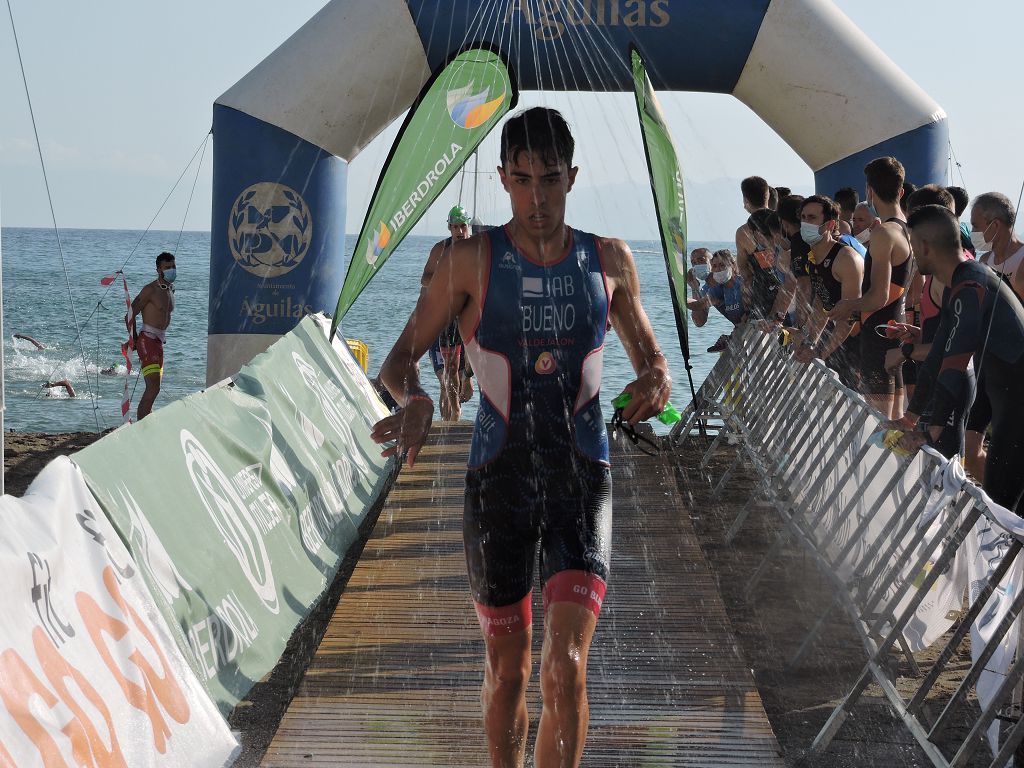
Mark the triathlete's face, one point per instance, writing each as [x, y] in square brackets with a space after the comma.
[813, 213]
[537, 192]
[459, 231]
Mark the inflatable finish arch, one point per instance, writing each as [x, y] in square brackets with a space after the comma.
[286, 132]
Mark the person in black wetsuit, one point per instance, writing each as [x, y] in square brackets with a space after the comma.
[887, 272]
[533, 300]
[981, 321]
[917, 339]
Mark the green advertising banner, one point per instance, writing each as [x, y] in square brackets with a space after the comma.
[238, 503]
[457, 108]
[667, 186]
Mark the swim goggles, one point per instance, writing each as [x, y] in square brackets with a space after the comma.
[644, 443]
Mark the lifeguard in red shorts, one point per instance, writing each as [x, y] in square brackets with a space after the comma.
[156, 303]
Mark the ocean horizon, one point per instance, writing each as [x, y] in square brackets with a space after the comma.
[80, 323]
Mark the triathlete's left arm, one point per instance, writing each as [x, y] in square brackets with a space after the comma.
[653, 384]
[882, 244]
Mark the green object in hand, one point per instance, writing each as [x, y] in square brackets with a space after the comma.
[668, 416]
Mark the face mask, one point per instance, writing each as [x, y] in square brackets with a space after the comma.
[724, 276]
[872, 211]
[170, 274]
[810, 234]
[863, 236]
[979, 242]
[701, 271]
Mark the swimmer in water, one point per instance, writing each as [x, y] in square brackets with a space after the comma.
[62, 383]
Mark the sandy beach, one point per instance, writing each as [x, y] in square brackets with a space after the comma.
[26, 453]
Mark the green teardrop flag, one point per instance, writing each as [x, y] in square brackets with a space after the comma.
[667, 186]
[457, 108]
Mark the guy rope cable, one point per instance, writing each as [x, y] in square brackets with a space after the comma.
[49, 197]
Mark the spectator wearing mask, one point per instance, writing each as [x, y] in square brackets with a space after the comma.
[982, 321]
[697, 278]
[861, 223]
[836, 271]
[725, 293]
[997, 246]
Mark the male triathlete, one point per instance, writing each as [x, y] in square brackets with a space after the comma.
[981, 320]
[446, 353]
[887, 268]
[156, 302]
[533, 299]
[836, 271]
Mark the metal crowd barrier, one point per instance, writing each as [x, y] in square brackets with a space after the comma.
[898, 564]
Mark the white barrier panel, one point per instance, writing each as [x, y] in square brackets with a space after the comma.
[89, 672]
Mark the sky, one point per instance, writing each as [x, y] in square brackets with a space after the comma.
[123, 94]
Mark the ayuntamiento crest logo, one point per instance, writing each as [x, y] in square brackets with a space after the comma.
[269, 229]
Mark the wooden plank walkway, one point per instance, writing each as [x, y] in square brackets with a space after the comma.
[396, 679]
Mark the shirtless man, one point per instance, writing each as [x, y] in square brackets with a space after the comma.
[533, 299]
[156, 302]
[446, 353]
[887, 269]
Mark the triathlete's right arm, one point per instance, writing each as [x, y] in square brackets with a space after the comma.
[439, 303]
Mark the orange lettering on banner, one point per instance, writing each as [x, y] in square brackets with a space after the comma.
[87, 746]
[19, 688]
[160, 689]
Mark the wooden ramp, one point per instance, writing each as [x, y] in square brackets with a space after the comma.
[396, 679]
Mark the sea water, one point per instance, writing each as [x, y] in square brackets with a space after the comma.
[61, 303]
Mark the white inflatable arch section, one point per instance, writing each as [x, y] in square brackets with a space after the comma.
[297, 119]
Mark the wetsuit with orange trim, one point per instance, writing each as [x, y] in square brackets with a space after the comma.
[875, 379]
[981, 320]
[538, 465]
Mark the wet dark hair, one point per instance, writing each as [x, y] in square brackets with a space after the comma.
[540, 131]
[783, 192]
[828, 206]
[885, 176]
[847, 198]
[930, 194]
[163, 258]
[960, 198]
[755, 190]
[789, 208]
[938, 226]
[773, 198]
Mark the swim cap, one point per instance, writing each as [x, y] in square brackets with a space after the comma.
[458, 215]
